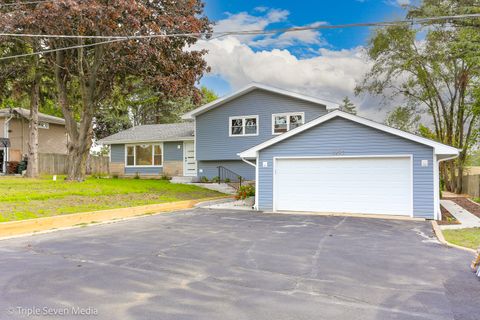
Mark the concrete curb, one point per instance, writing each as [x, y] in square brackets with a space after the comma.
[441, 238]
[217, 201]
[33, 226]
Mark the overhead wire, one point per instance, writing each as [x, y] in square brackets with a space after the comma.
[214, 35]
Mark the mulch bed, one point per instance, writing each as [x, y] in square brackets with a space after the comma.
[467, 205]
[447, 217]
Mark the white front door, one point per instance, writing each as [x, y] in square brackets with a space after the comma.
[373, 185]
[189, 163]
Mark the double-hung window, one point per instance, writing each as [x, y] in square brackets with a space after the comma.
[283, 122]
[241, 126]
[143, 155]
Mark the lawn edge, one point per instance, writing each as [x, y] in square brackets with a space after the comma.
[34, 226]
[438, 232]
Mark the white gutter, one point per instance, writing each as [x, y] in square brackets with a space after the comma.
[248, 162]
[255, 165]
[438, 215]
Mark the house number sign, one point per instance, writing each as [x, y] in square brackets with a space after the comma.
[339, 153]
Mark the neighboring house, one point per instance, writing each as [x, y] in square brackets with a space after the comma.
[14, 134]
[301, 157]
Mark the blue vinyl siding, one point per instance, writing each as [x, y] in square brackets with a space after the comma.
[171, 152]
[117, 153]
[143, 170]
[210, 170]
[349, 138]
[212, 128]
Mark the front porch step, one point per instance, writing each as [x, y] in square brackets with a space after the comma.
[183, 179]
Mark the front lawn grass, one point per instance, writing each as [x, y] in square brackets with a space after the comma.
[22, 198]
[469, 237]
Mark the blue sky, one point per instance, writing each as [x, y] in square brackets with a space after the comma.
[235, 61]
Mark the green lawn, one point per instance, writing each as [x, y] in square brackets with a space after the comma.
[469, 238]
[22, 198]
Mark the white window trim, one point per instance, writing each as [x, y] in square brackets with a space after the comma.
[287, 114]
[135, 155]
[243, 125]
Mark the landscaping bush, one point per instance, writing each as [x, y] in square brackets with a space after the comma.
[137, 176]
[165, 177]
[216, 179]
[204, 179]
[227, 180]
[245, 192]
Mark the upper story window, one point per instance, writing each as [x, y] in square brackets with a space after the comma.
[283, 122]
[241, 126]
[43, 125]
[143, 155]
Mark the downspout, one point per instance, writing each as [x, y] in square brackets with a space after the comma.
[438, 216]
[6, 129]
[255, 206]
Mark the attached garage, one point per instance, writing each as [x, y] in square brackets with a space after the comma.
[342, 163]
[374, 185]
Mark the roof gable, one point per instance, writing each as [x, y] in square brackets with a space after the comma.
[440, 148]
[209, 106]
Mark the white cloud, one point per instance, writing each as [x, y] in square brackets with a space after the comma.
[331, 74]
[328, 74]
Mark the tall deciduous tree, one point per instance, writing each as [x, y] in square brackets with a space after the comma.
[86, 75]
[20, 81]
[404, 118]
[437, 69]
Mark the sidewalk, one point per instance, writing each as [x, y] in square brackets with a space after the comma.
[466, 219]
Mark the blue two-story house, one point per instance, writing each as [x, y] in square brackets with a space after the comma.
[302, 157]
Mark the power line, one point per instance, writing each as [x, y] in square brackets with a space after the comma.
[61, 49]
[111, 39]
[26, 2]
[252, 32]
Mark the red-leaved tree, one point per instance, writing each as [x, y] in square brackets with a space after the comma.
[86, 74]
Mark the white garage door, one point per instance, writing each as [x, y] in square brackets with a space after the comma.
[374, 185]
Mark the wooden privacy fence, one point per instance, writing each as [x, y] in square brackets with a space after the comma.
[54, 163]
[471, 185]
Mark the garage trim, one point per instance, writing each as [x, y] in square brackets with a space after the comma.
[409, 156]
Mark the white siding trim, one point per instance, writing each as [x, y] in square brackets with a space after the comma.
[439, 148]
[324, 103]
[409, 156]
[257, 190]
[437, 214]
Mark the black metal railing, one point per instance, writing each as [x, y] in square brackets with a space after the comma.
[229, 177]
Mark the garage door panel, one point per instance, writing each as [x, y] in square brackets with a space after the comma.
[356, 185]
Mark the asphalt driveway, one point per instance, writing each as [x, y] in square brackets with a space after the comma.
[211, 264]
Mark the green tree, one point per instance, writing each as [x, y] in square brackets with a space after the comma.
[438, 74]
[85, 76]
[403, 118]
[348, 106]
[208, 95]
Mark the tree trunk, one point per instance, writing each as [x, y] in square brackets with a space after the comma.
[32, 167]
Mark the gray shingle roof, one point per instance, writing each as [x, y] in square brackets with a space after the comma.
[152, 133]
[26, 114]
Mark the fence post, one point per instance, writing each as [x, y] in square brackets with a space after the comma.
[219, 176]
